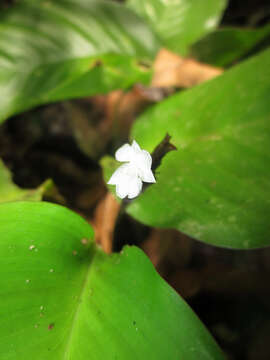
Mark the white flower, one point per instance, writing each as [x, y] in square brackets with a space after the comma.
[128, 177]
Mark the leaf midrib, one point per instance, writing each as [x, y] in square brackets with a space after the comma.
[92, 252]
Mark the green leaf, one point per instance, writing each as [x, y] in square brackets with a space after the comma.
[225, 46]
[11, 192]
[216, 187]
[54, 50]
[179, 23]
[62, 298]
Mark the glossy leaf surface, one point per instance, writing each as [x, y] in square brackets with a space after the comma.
[216, 187]
[75, 302]
[54, 50]
[179, 23]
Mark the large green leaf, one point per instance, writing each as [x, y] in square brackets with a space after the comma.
[52, 50]
[216, 187]
[62, 298]
[179, 23]
[224, 46]
[11, 192]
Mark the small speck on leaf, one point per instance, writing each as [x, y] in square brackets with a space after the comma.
[84, 241]
[51, 326]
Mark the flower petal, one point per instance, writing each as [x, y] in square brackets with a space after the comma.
[147, 158]
[142, 159]
[124, 153]
[147, 175]
[135, 187]
[117, 176]
[122, 189]
[128, 177]
[135, 146]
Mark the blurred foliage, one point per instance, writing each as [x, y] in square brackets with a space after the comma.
[225, 46]
[180, 23]
[48, 51]
[10, 192]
